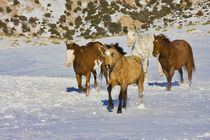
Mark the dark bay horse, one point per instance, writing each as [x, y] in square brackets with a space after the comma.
[124, 70]
[86, 59]
[173, 56]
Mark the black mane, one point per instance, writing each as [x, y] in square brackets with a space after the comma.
[117, 47]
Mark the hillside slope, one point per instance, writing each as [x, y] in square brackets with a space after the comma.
[91, 19]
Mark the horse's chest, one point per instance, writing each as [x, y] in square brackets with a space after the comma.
[166, 62]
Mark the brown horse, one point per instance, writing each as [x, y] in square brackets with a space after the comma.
[173, 56]
[86, 59]
[123, 71]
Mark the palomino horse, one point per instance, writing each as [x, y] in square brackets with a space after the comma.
[173, 56]
[86, 59]
[123, 71]
[142, 47]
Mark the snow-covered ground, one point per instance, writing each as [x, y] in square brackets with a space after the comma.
[39, 98]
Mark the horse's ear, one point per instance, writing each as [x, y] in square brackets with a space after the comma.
[112, 46]
[105, 46]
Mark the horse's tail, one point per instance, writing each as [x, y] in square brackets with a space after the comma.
[101, 72]
[192, 58]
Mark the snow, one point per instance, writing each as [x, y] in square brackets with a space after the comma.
[39, 97]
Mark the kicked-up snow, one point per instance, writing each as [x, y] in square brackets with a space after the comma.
[39, 98]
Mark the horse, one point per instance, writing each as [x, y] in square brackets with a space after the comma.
[142, 47]
[123, 71]
[86, 59]
[173, 56]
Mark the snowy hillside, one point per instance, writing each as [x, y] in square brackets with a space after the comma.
[39, 97]
[91, 19]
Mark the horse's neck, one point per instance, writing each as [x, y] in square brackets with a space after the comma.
[119, 63]
[78, 52]
[167, 47]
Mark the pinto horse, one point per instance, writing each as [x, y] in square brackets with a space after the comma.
[142, 47]
[124, 70]
[173, 56]
[86, 59]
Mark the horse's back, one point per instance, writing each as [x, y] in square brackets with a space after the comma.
[184, 52]
[182, 47]
[134, 62]
[134, 69]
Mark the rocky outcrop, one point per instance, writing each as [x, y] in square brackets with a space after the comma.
[127, 21]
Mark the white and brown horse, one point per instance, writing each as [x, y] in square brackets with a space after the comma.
[124, 70]
[86, 59]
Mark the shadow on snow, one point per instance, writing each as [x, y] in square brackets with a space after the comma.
[164, 84]
[73, 89]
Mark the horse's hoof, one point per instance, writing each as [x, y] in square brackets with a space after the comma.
[182, 81]
[111, 106]
[119, 111]
[168, 89]
[97, 89]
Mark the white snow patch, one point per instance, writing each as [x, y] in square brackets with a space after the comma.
[97, 64]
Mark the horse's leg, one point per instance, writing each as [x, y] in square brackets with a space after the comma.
[171, 73]
[109, 89]
[105, 72]
[79, 81]
[95, 80]
[140, 84]
[189, 71]
[146, 63]
[125, 98]
[87, 85]
[160, 68]
[123, 92]
[166, 73]
[181, 75]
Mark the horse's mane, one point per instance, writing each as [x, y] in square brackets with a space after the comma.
[68, 46]
[168, 47]
[166, 39]
[117, 47]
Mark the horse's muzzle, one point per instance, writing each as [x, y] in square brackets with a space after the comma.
[68, 65]
[155, 54]
[107, 66]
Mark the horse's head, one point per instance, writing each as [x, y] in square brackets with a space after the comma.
[157, 44]
[131, 35]
[111, 57]
[70, 48]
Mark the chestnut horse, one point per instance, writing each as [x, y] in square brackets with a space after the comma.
[124, 70]
[173, 56]
[86, 59]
